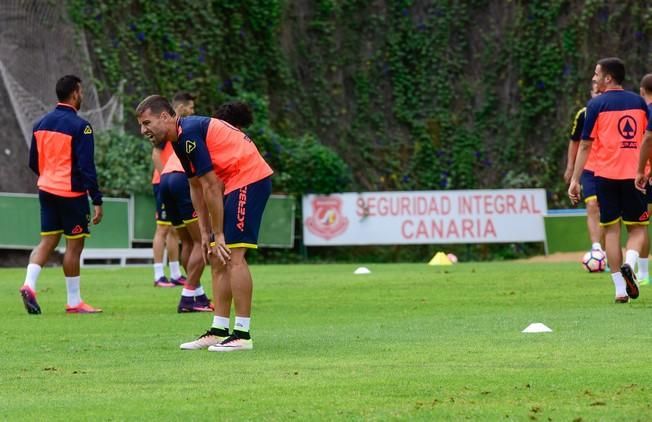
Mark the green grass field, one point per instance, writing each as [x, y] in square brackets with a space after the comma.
[406, 342]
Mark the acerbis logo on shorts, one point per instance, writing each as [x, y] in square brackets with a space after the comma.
[644, 217]
[77, 229]
[190, 146]
[242, 208]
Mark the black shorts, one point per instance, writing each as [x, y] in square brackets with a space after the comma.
[161, 215]
[243, 212]
[175, 195]
[69, 216]
[588, 183]
[619, 199]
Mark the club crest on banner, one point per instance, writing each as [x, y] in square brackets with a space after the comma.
[327, 220]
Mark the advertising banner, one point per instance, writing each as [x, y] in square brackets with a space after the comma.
[426, 217]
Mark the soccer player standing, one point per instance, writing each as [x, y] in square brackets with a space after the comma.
[615, 121]
[587, 179]
[62, 155]
[643, 275]
[229, 184]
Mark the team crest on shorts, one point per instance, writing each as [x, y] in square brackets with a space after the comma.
[327, 220]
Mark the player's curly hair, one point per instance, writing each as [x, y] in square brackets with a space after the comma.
[235, 113]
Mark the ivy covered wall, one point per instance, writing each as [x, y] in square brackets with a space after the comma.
[409, 94]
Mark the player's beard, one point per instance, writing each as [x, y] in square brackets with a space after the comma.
[160, 138]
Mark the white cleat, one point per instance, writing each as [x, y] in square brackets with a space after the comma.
[204, 341]
[232, 344]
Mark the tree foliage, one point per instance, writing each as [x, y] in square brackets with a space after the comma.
[411, 94]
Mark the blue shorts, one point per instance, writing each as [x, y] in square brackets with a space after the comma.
[161, 216]
[619, 199]
[589, 187]
[243, 212]
[69, 216]
[175, 195]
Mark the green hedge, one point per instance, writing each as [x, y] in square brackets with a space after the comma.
[123, 163]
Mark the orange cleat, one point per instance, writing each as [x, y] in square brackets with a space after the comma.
[82, 308]
[29, 300]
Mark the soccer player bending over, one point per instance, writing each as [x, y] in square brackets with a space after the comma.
[615, 122]
[165, 237]
[229, 184]
[61, 155]
[235, 113]
[175, 195]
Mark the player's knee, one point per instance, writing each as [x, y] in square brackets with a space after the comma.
[592, 207]
[162, 230]
[45, 246]
[238, 257]
[74, 247]
[217, 268]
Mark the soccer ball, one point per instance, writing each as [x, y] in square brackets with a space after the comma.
[452, 258]
[594, 261]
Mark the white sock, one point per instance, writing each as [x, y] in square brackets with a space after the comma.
[187, 293]
[220, 322]
[175, 270]
[631, 256]
[643, 267]
[158, 270]
[242, 323]
[199, 291]
[33, 271]
[619, 283]
[596, 246]
[72, 286]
